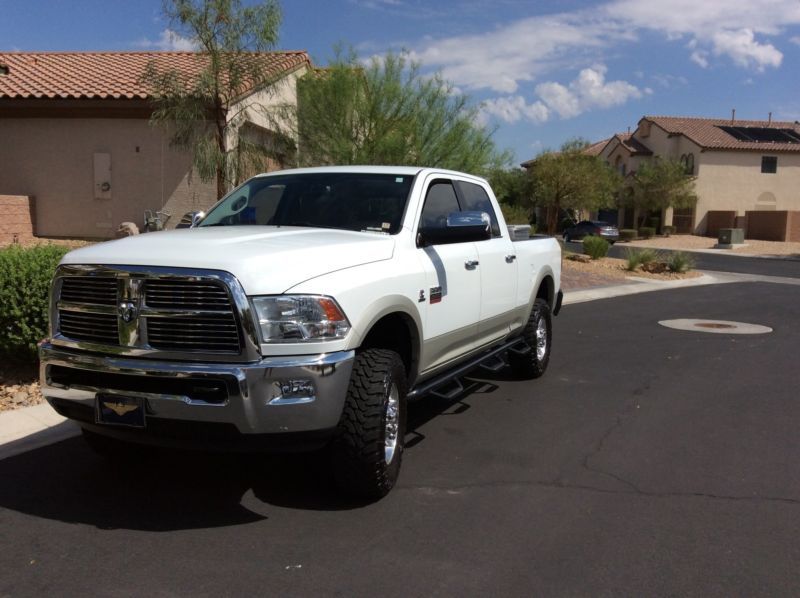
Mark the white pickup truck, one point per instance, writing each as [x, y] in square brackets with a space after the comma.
[302, 311]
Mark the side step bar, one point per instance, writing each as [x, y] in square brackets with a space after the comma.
[429, 386]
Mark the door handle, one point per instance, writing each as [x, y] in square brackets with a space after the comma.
[471, 264]
[510, 258]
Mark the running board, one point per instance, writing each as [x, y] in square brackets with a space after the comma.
[432, 384]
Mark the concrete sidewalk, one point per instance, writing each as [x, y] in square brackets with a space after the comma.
[29, 428]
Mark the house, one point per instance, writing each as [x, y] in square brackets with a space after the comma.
[741, 168]
[75, 136]
[747, 172]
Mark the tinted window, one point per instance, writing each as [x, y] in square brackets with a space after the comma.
[475, 198]
[769, 164]
[440, 202]
[350, 201]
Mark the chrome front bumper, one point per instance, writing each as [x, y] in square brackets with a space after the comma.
[277, 395]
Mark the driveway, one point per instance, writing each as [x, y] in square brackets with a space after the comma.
[647, 461]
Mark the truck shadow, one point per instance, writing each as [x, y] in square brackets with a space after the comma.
[174, 490]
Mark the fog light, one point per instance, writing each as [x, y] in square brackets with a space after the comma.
[293, 392]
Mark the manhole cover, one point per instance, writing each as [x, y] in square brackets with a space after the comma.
[715, 326]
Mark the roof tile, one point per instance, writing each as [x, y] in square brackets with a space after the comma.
[706, 132]
[90, 75]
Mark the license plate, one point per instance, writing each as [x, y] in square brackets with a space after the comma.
[119, 410]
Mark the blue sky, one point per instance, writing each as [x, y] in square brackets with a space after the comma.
[543, 71]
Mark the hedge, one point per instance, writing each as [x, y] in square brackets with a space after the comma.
[25, 276]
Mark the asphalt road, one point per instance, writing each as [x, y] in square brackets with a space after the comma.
[788, 267]
[647, 461]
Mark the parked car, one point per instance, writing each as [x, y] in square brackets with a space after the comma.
[586, 228]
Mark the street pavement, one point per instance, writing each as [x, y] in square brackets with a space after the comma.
[647, 461]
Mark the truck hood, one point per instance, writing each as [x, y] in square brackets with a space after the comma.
[267, 260]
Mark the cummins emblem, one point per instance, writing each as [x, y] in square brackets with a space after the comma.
[127, 311]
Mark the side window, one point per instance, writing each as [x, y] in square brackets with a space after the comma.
[440, 202]
[475, 199]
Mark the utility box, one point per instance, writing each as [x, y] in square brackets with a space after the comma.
[731, 236]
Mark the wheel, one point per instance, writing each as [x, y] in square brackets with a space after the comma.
[538, 333]
[368, 445]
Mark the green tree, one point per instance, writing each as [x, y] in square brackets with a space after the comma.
[386, 113]
[659, 184]
[202, 112]
[512, 187]
[571, 179]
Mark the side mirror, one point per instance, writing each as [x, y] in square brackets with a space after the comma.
[191, 219]
[462, 227]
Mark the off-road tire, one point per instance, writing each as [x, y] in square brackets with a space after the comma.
[358, 451]
[534, 363]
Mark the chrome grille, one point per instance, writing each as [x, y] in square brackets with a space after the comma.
[89, 327]
[194, 333]
[207, 324]
[143, 310]
[91, 290]
[172, 292]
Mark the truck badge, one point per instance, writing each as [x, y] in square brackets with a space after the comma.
[436, 295]
[421, 296]
[127, 311]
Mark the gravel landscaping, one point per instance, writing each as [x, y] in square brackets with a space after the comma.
[694, 243]
[19, 386]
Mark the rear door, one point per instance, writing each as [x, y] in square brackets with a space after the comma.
[498, 267]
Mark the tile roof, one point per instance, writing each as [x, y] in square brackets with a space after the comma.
[596, 148]
[633, 145]
[706, 132]
[105, 75]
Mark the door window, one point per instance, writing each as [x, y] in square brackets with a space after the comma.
[440, 202]
[475, 199]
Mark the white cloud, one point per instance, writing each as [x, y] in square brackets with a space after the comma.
[700, 58]
[529, 49]
[589, 90]
[795, 39]
[168, 40]
[745, 51]
[514, 108]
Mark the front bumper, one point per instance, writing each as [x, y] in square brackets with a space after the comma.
[274, 396]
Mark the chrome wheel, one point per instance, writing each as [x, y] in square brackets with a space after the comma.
[392, 425]
[541, 339]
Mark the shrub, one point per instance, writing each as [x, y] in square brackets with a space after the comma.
[647, 232]
[680, 261]
[654, 222]
[668, 230]
[595, 247]
[25, 275]
[627, 234]
[632, 258]
[647, 256]
[513, 214]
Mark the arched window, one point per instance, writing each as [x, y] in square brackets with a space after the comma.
[689, 164]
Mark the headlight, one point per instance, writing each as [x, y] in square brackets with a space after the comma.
[298, 318]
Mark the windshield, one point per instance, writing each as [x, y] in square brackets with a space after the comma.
[345, 200]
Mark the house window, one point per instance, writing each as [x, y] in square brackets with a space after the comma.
[769, 164]
[687, 161]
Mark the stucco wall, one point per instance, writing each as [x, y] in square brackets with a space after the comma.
[52, 159]
[734, 181]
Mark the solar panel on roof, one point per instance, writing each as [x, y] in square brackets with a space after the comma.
[762, 134]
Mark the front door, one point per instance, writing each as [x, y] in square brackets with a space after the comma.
[453, 285]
